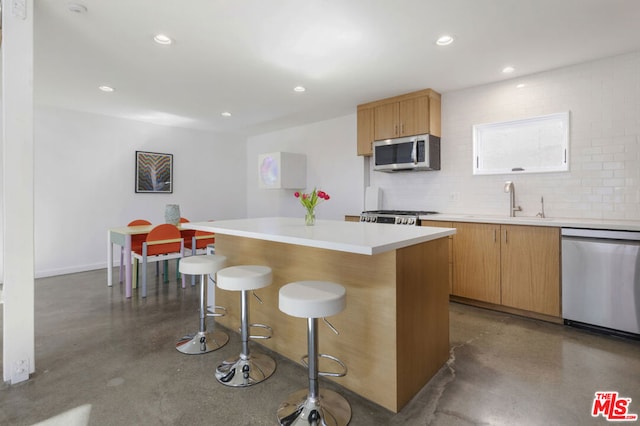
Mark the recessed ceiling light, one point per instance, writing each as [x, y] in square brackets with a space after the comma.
[508, 70]
[162, 39]
[299, 89]
[226, 114]
[444, 40]
[520, 86]
[106, 88]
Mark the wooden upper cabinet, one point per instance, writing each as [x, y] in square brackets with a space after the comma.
[411, 114]
[414, 116]
[365, 131]
[386, 121]
[404, 118]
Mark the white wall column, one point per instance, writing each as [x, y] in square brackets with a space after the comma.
[18, 190]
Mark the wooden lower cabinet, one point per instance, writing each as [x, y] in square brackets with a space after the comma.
[512, 266]
[530, 268]
[476, 261]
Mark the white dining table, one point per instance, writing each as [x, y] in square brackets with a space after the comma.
[122, 237]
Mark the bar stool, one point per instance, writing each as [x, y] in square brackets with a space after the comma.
[313, 300]
[203, 341]
[249, 368]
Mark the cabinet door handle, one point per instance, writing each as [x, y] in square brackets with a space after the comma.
[506, 240]
[395, 130]
[402, 128]
[495, 237]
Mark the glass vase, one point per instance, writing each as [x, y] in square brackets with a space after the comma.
[310, 218]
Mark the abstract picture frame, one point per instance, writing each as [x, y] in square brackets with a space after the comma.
[154, 172]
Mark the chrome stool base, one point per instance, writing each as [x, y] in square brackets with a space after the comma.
[243, 372]
[202, 342]
[330, 409]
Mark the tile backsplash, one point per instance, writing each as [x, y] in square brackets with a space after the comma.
[603, 181]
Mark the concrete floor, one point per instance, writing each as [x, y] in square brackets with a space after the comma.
[104, 360]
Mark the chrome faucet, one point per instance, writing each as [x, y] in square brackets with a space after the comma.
[508, 187]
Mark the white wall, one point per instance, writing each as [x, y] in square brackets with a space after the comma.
[85, 164]
[332, 165]
[84, 182]
[604, 177]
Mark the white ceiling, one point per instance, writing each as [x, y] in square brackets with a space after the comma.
[245, 56]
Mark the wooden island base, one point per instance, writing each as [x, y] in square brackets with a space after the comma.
[394, 332]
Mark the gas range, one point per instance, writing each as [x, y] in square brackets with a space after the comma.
[394, 217]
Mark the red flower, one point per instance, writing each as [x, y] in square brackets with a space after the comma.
[311, 200]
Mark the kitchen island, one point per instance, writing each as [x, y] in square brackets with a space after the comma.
[394, 332]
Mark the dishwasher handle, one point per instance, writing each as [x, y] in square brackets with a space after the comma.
[605, 234]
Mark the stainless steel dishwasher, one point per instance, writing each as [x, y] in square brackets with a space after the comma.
[601, 280]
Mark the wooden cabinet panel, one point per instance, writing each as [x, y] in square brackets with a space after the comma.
[476, 262]
[365, 131]
[509, 266]
[439, 224]
[531, 268]
[405, 115]
[414, 116]
[386, 121]
[406, 118]
[435, 111]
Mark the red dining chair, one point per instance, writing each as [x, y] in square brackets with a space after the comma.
[199, 242]
[187, 234]
[136, 244]
[196, 242]
[163, 242]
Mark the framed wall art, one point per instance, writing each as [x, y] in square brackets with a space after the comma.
[154, 172]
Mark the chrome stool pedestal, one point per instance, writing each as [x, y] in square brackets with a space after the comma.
[248, 368]
[314, 299]
[203, 341]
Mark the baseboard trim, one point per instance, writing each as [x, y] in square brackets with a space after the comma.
[506, 309]
[70, 270]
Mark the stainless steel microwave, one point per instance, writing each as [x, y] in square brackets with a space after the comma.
[420, 152]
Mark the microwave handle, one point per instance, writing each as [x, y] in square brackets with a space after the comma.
[414, 152]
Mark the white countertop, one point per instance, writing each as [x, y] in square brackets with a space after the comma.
[352, 237]
[624, 225]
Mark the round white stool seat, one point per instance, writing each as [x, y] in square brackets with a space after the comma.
[244, 277]
[312, 299]
[202, 265]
